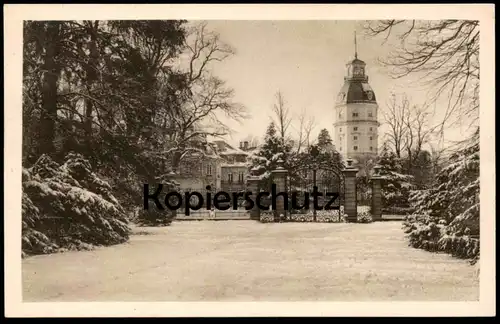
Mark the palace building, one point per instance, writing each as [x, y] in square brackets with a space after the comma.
[356, 108]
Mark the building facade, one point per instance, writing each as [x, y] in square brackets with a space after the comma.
[356, 110]
[234, 166]
[197, 171]
[222, 167]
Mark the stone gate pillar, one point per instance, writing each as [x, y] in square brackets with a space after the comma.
[279, 179]
[253, 182]
[350, 199]
[376, 180]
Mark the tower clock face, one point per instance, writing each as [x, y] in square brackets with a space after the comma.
[369, 94]
[341, 96]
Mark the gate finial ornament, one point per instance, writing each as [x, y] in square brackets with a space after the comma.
[280, 164]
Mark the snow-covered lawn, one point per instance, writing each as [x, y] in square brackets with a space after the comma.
[246, 260]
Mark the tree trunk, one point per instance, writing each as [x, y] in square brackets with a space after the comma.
[49, 90]
[93, 62]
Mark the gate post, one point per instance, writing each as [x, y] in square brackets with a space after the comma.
[376, 194]
[253, 187]
[279, 179]
[350, 199]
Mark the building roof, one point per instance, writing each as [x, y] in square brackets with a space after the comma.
[225, 149]
[357, 61]
[233, 151]
[356, 91]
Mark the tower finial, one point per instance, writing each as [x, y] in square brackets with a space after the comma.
[355, 46]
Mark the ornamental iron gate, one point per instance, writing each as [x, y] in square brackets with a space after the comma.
[329, 182]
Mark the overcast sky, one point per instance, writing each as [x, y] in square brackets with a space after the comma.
[305, 60]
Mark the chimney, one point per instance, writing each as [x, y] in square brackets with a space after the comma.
[245, 145]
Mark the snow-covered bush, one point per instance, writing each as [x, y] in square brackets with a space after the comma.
[266, 217]
[153, 216]
[322, 216]
[364, 217]
[446, 218]
[395, 210]
[68, 207]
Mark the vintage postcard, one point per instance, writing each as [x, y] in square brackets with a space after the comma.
[249, 160]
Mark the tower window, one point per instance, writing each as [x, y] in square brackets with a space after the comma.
[241, 177]
[355, 114]
[341, 148]
[209, 169]
[371, 148]
[230, 177]
[355, 128]
[371, 137]
[370, 114]
[355, 148]
[340, 129]
[371, 128]
[355, 138]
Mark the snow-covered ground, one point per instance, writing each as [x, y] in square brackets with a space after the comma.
[246, 260]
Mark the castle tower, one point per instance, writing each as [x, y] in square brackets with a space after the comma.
[356, 124]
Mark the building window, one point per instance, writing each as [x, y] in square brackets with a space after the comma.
[370, 114]
[355, 114]
[355, 128]
[340, 129]
[355, 148]
[341, 148]
[229, 177]
[371, 148]
[240, 177]
[371, 128]
[209, 169]
[371, 137]
[340, 115]
[355, 138]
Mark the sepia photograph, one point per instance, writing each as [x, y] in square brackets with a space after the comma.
[163, 159]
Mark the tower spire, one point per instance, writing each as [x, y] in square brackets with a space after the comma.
[355, 46]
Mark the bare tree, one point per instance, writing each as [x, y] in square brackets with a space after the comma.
[418, 132]
[282, 116]
[285, 124]
[208, 100]
[446, 55]
[409, 128]
[204, 46]
[306, 125]
[395, 117]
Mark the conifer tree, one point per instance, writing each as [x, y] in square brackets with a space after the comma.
[324, 140]
[263, 161]
[267, 157]
[396, 185]
[446, 217]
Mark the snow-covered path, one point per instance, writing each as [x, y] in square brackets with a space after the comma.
[246, 260]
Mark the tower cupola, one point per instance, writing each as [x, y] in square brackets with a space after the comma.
[356, 124]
